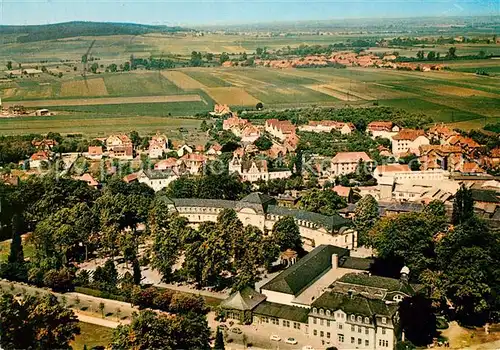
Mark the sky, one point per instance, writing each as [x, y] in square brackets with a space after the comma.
[204, 12]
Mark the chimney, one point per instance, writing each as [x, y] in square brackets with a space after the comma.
[335, 261]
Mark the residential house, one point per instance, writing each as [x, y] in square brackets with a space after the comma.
[233, 123]
[88, 179]
[346, 162]
[382, 129]
[255, 170]
[171, 164]
[279, 128]
[157, 179]
[184, 149]
[440, 133]
[39, 159]
[120, 146]
[276, 151]
[408, 140]
[194, 162]
[444, 157]
[134, 177]
[220, 110]
[328, 126]
[95, 152]
[9, 179]
[291, 142]
[250, 134]
[214, 151]
[158, 145]
[466, 143]
[44, 145]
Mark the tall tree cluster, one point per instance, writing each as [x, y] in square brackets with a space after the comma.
[215, 248]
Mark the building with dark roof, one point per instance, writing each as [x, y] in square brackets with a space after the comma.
[306, 280]
[261, 211]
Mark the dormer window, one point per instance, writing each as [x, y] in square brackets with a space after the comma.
[360, 319]
[315, 311]
[367, 320]
[328, 313]
[384, 320]
[321, 311]
[353, 318]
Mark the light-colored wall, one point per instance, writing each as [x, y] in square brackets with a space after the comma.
[157, 184]
[280, 298]
[359, 330]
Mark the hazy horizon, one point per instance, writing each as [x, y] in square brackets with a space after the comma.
[213, 13]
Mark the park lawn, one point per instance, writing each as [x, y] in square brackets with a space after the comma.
[28, 250]
[96, 125]
[92, 335]
[139, 84]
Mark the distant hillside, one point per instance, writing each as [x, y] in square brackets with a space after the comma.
[72, 29]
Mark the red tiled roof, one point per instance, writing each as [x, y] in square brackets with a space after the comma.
[130, 178]
[95, 150]
[342, 191]
[408, 134]
[40, 155]
[380, 126]
[284, 125]
[350, 157]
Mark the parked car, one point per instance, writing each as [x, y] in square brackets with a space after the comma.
[275, 337]
[291, 341]
[307, 347]
[236, 330]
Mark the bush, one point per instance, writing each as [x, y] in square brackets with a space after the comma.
[441, 323]
[100, 294]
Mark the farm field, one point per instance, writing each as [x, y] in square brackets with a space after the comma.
[447, 96]
[98, 124]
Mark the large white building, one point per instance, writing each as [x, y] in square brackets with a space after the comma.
[384, 130]
[328, 126]
[261, 211]
[325, 297]
[279, 128]
[346, 162]
[408, 140]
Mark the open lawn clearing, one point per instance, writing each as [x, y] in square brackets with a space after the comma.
[109, 101]
[206, 76]
[474, 124]
[92, 335]
[96, 125]
[269, 76]
[28, 249]
[356, 90]
[140, 84]
[86, 87]
[439, 112]
[182, 80]
[231, 96]
[325, 89]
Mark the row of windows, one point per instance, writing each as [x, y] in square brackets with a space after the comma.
[353, 318]
[284, 323]
[384, 343]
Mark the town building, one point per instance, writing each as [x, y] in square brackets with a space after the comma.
[221, 110]
[158, 145]
[279, 128]
[346, 162]
[444, 157]
[88, 179]
[408, 141]
[94, 152]
[330, 298]
[328, 126]
[234, 123]
[194, 163]
[120, 146]
[249, 134]
[255, 170]
[39, 159]
[440, 133]
[157, 179]
[261, 211]
[382, 129]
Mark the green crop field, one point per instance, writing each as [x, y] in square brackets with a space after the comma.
[96, 124]
[139, 84]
